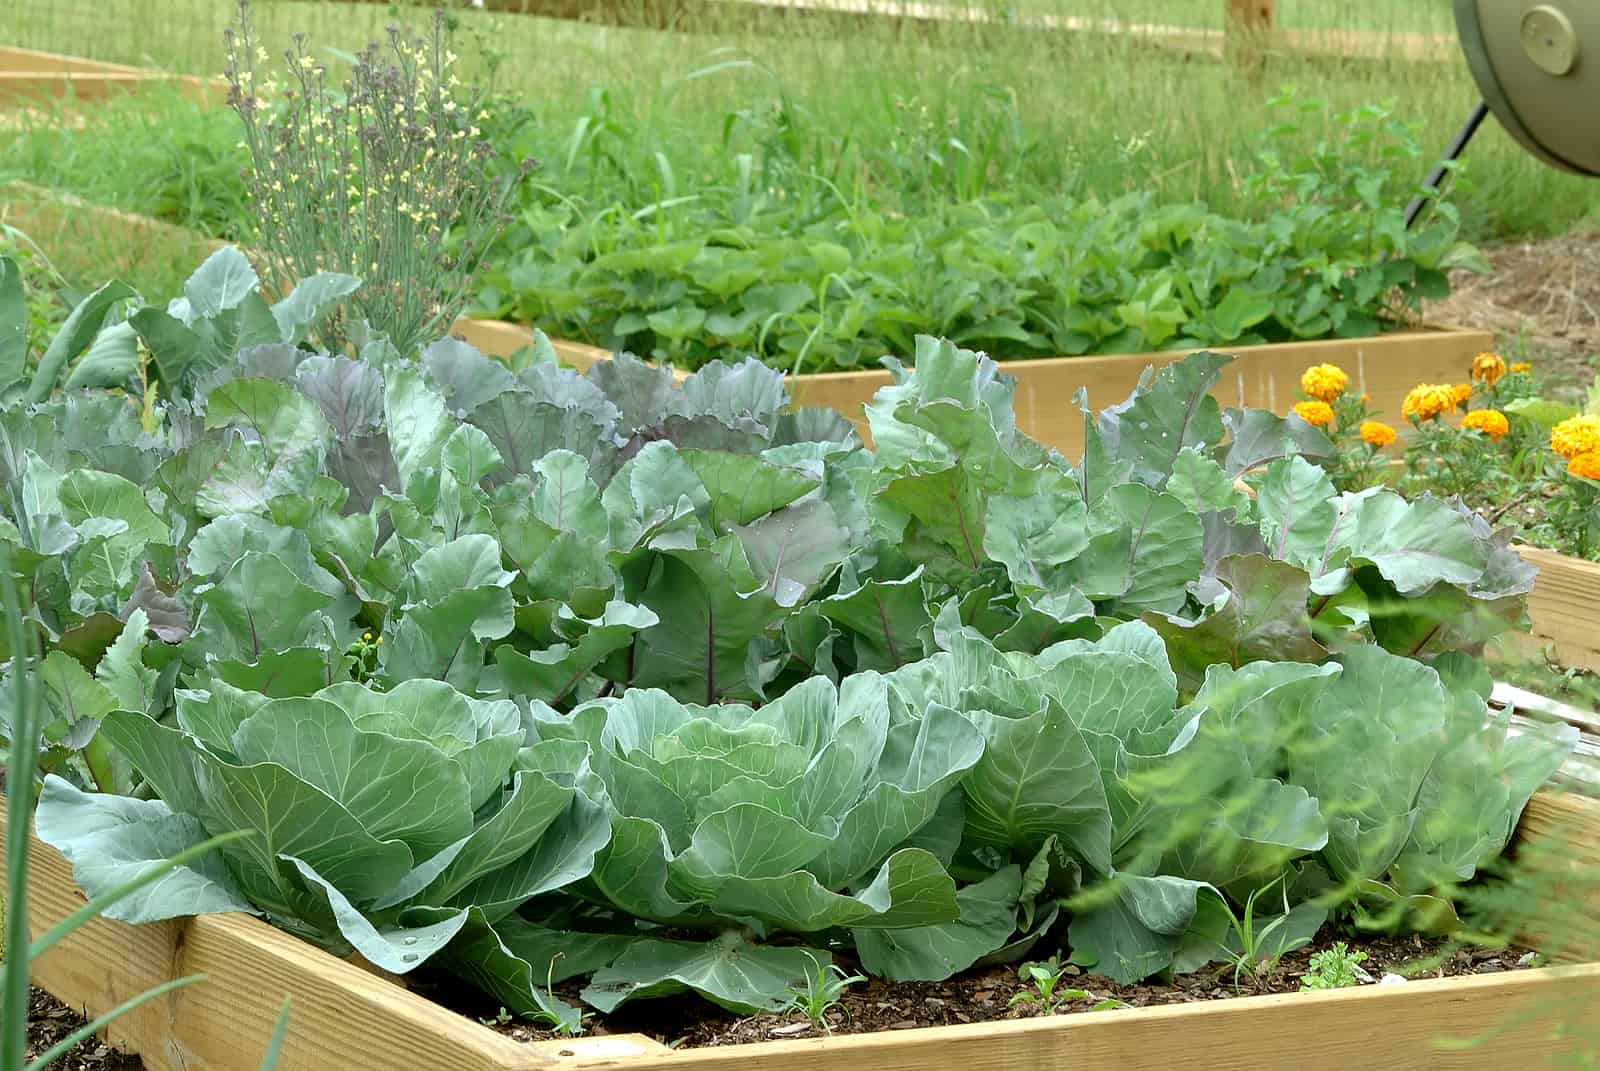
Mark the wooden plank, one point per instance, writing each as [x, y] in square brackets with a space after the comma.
[1385, 367]
[1410, 1027]
[848, 16]
[98, 86]
[1520, 699]
[1558, 840]
[28, 60]
[1565, 606]
[342, 1018]
[30, 75]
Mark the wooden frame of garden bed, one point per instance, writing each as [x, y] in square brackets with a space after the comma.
[1564, 608]
[28, 76]
[343, 1018]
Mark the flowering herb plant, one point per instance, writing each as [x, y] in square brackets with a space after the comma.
[385, 176]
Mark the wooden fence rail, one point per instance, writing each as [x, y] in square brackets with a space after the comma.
[1251, 26]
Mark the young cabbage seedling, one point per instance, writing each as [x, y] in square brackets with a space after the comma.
[1045, 977]
[822, 993]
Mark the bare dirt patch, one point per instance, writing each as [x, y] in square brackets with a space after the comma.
[1542, 298]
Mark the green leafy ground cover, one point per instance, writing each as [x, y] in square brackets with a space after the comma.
[494, 662]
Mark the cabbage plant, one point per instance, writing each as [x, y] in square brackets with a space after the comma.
[828, 809]
[380, 820]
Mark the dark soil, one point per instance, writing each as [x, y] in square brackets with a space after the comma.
[49, 1021]
[874, 1006]
[986, 996]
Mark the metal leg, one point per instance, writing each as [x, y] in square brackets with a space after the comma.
[1435, 180]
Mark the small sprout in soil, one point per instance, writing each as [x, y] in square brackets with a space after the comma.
[499, 1018]
[821, 994]
[550, 1012]
[1044, 977]
[1254, 952]
[1334, 968]
[1045, 997]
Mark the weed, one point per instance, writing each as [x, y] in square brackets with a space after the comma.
[1334, 968]
[823, 991]
[1257, 954]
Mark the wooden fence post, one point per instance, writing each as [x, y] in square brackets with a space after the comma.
[1247, 23]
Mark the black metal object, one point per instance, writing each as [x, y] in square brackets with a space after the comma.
[1457, 147]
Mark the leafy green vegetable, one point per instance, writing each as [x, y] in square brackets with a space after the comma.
[540, 676]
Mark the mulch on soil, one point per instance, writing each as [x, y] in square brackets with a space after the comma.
[986, 995]
[1541, 295]
[49, 1021]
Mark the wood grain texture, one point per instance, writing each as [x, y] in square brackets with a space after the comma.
[1558, 839]
[1268, 377]
[1410, 1027]
[341, 1017]
[1565, 606]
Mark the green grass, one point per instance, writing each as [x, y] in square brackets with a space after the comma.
[1073, 114]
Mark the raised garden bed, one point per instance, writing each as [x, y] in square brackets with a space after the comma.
[1386, 367]
[29, 76]
[1266, 377]
[1563, 605]
[343, 1017]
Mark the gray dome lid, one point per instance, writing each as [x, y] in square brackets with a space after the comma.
[1537, 63]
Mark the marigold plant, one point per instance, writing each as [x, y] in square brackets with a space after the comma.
[1586, 466]
[1427, 401]
[1324, 382]
[1488, 367]
[1521, 366]
[1377, 434]
[1491, 422]
[1460, 395]
[1578, 435]
[1317, 413]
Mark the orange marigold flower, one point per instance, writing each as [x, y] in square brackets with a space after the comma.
[1492, 422]
[1318, 413]
[1460, 395]
[1580, 435]
[1585, 465]
[1522, 366]
[1376, 434]
[1428, 400]
[1324, 382]
[1488, 367]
